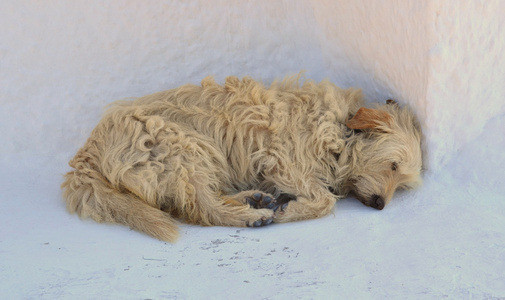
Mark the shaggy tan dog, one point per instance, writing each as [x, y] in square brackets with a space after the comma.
[241, 155]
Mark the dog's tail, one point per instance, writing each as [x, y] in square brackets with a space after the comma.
[89, 194]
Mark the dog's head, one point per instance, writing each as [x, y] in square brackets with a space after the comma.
[386, 154]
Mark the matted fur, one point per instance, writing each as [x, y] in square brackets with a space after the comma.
[196, 152]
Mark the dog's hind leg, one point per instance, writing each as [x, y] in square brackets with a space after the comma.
[187, 176]
[195, 197]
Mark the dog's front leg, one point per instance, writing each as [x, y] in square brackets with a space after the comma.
[315, 203]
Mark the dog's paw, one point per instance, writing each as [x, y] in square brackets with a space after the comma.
[261, 222]
[283, 200]
[260, 200]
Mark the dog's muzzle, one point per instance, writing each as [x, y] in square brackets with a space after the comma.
[377, 202]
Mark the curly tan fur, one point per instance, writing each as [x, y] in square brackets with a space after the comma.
[197, 152]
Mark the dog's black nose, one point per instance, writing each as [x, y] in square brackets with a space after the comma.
[377, 202]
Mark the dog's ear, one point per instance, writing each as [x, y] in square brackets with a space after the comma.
[367, 118]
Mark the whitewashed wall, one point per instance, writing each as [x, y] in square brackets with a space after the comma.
[466, 83]
[62, 61]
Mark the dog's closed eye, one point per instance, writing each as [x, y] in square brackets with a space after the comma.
[394, 166]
